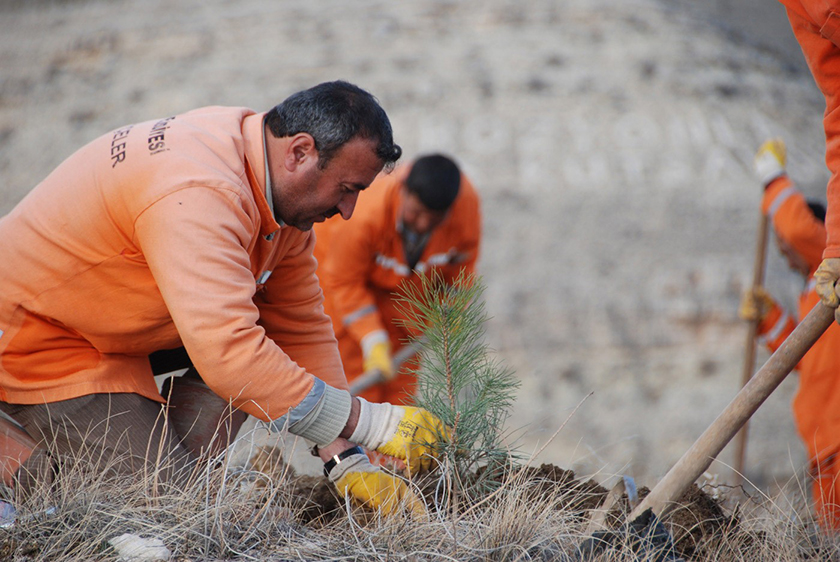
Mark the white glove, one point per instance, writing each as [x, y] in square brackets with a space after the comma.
[770, 161]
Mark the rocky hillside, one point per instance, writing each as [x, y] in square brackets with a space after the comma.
[611, 142]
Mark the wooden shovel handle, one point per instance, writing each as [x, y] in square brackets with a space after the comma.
[701, 454]
[374, 376]
[750, 345]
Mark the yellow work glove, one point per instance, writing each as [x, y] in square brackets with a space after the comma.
[378, 358]
[408, 433]
[756, 304]
[826, 277]
[414, 441]
[770, 160]
[369, 486]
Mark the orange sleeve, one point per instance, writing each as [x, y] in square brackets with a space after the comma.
[195, 241]
[793, 221]
[292, 313]
[823, 58]
[775, 327]
[344, 271]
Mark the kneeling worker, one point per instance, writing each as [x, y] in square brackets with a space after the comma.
[194, 231]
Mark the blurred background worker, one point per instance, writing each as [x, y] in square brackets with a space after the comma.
[421, 218]
[799, 227]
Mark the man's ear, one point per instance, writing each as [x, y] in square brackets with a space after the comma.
[300, 151]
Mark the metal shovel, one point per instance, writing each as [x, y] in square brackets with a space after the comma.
[695, 461]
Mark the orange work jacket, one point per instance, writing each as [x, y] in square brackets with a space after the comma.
[816, 24]
[153, 236]
[361, 263]
[816, 406]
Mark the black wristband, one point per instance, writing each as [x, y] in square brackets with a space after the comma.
[336, 459]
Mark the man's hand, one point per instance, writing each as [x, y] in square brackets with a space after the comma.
[414, 440]
[826, 277]
[408, 433]
[378, 357]
[756, 304]
[371, 487]
[770, 161]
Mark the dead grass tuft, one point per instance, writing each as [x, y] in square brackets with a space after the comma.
[268, 512]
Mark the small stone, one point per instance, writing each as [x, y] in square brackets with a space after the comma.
[132, 548]
[8, 514]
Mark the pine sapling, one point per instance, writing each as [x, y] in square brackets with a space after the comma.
[458, 380]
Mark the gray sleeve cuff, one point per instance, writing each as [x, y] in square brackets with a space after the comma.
[320, 416]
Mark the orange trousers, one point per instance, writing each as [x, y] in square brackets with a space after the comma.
[826, 492]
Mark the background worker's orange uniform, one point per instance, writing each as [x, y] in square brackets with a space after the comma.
[155, 236]
[816, 407]
[362, 262]
[816, 24]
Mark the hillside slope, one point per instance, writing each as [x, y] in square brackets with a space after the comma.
[611, 142]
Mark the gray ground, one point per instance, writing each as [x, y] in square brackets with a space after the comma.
[611, 142]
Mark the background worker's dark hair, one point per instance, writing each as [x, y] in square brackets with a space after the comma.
[435, 180]
[334, 113]
[817, 208]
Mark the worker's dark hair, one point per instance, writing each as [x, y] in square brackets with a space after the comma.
[817, 208]
[334, 113]
[435, 180]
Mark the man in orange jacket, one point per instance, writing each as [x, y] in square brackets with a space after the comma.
[800, 236]
[424, 217]
[193, 231]
[816, 25]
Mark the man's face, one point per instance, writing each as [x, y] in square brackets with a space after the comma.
[308, 194]
[416, 216]
[795, 261]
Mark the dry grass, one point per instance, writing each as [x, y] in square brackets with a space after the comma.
[269, 513]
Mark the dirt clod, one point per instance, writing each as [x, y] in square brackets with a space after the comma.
[578, 495]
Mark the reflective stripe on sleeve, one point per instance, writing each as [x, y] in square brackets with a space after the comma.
[452, 257]
[780, 198]
[392, 264]
[440, 259]
[356, 314]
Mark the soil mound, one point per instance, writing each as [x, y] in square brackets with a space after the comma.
[699, 526]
